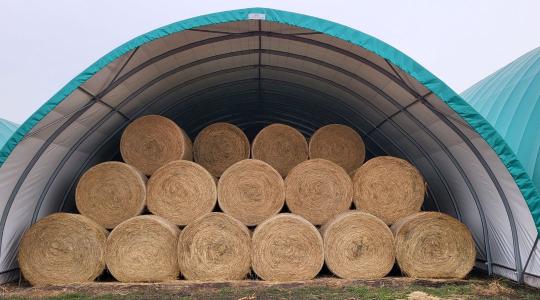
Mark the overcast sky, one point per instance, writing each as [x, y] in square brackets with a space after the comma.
[44, 44]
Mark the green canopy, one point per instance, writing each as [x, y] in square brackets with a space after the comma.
[509, 100]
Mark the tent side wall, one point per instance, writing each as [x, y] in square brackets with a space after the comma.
[254, 67]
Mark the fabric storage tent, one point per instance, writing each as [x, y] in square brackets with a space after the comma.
[252, 67]
[6, 130]
[509, 99]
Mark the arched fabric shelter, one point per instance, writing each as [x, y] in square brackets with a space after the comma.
[252, 67]
[7, 128]
[509, 99]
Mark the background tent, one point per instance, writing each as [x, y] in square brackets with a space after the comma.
[253, 67]
[509, 100]
[6, 130]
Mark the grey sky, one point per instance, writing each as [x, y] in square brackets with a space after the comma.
[47, 43]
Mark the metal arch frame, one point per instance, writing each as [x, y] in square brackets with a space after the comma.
[364, 100]
[236, 35]
[234, 69]
[198, 62]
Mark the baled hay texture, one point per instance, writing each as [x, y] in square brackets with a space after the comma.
[110, 193]
[358, 245]
[339, 144]
[152, 141]
[281, 146]
[287, 247]
[62, 248]
[433, 245]
[181, 191]
[389, 188]
[318, 190]
[251, 191]
[143, 249]
[219, 146]
[215, 247]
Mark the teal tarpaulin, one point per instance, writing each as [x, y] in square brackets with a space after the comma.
[6, 130]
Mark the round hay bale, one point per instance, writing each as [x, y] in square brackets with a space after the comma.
[110, 193]
[287, 247]
[318, 190]
[358, 245]
[143, 249]
[339, 144]
[62, 248]
[219, 146]
[281, 146]
[215, 247]
[181, 191]
[433, 245]
[389, 188]
[151, 141]
[251, 191]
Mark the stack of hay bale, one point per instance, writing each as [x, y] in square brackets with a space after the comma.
[283, 213]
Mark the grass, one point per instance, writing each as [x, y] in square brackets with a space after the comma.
[393, 288]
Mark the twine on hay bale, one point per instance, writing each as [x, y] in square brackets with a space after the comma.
[433, 245]
[215, 247]
[251, 191]
[317, 190]
[151, 141]
[358, 245]
[339, 144]
[143, 249]
[281, 146]
[181, 191]
[287, 247]
[389, 188]
[219, 146]
[110, 193]
[62, 248]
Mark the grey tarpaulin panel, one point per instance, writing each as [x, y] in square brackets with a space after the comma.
[253, 73]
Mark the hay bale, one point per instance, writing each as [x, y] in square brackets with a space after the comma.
[151, 141]
[181, 191]
[389, 188]
[318, 190]
[287, 247]
[358, 245]
[219, 146]
[143, 249]
[215, 247]
[433, 245]
[110, 193]
[339, 144]
[281, 146]
[251, 191]
[62, 248]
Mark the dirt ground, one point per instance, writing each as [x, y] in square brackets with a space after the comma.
[475, 287]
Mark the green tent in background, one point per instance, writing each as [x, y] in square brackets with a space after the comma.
[6, 130]
[509, 100]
